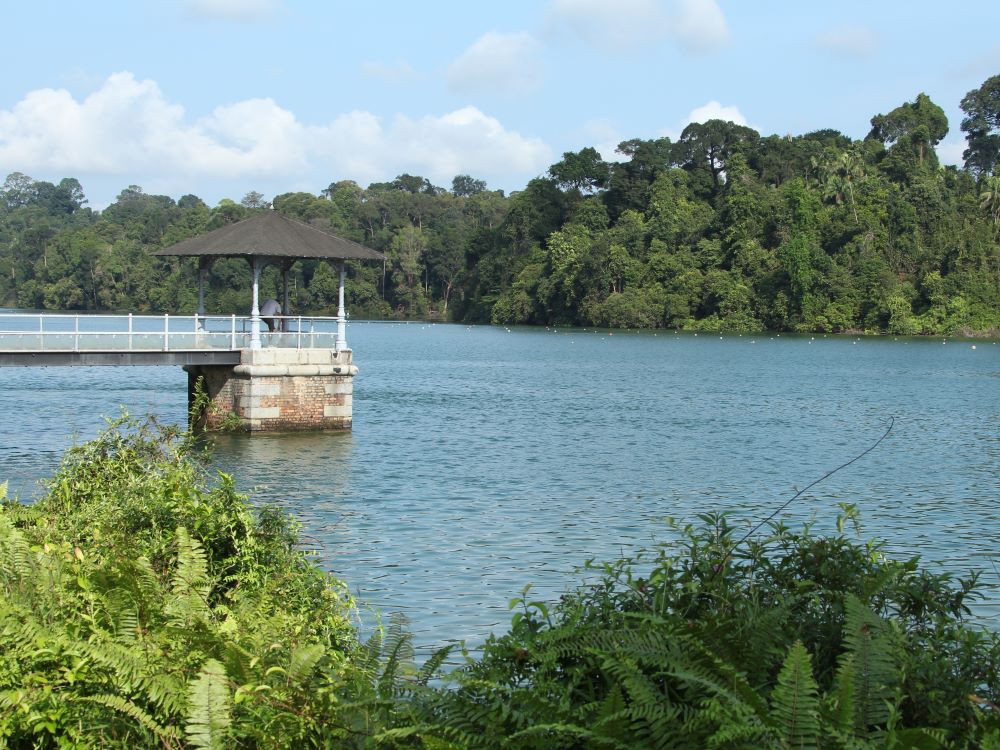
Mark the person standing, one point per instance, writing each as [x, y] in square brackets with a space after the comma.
[268, 311]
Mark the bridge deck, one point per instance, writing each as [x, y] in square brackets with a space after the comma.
[62, 359]
[30, 339]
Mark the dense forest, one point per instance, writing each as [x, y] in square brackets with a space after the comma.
[722, 229]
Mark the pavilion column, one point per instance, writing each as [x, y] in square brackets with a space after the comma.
[341, 343]
[202, 274]
[255, 264]
[286, 307]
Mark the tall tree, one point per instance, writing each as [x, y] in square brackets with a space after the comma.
[705, 148]
[982, 127]
[465, 186]
[583, 170]
[911, 131]
[253, 200]
[630, 181]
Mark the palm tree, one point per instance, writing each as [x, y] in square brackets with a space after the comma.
[836, 176]
[851, 167]
[989, 200]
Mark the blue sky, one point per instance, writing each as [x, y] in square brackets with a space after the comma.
[220, 97]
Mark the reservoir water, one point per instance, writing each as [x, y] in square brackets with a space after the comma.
[484, 459]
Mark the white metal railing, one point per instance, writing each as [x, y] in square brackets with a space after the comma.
[74, 332]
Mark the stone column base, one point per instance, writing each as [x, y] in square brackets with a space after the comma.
[276, 390]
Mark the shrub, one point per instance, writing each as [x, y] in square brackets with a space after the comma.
[144, 604]
[792, 640]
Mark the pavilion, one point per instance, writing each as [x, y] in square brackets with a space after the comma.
[270, 238]
[275, 387]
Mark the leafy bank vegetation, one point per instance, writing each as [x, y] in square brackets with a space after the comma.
[721, 229]
[143, 605]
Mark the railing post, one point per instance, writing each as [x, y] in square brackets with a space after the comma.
[76, 332]
[298, 334]
[312, 334]
[130, 331]
[41, 331]
[166, 332]
[232, 333]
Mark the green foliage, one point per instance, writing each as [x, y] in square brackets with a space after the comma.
[982, 127]
[143, 603]
[787, 641]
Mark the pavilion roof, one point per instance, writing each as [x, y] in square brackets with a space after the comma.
[271, 234]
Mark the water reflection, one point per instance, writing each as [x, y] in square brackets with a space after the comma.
[307, 473]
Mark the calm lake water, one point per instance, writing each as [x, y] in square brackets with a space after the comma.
[484, 459]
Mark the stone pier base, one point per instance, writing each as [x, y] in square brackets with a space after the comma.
[276, 390]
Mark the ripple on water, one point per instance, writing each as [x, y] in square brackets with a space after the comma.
[482, 460]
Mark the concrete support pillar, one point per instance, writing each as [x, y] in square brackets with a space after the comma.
[255, 264]
[341, 343]
[277, 390]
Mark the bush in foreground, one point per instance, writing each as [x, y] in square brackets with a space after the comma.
[788, 641]
[144, 605]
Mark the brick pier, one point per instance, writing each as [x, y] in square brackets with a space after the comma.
[277, 390]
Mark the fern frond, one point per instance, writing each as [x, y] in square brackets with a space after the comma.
[551, 732]
[18, 564]
[868, 640]
[637, 686]
[190, 583]
[168, 735]
[237, 661]
[739, 690]
[209, 708]
[398, 657]
[840, 702]
[303, 660]
[794, 702]
[921, 739]
[372, 651]
[132, 672]
[431, 666]
[122, 613]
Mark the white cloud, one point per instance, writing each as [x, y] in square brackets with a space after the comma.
[396, 72]
[713, 110]
[464, 141]
[849, 41]
[611, 25]
[232, 10]
[694, 25]
[497, 63]
[128, 128]
[699, 25]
